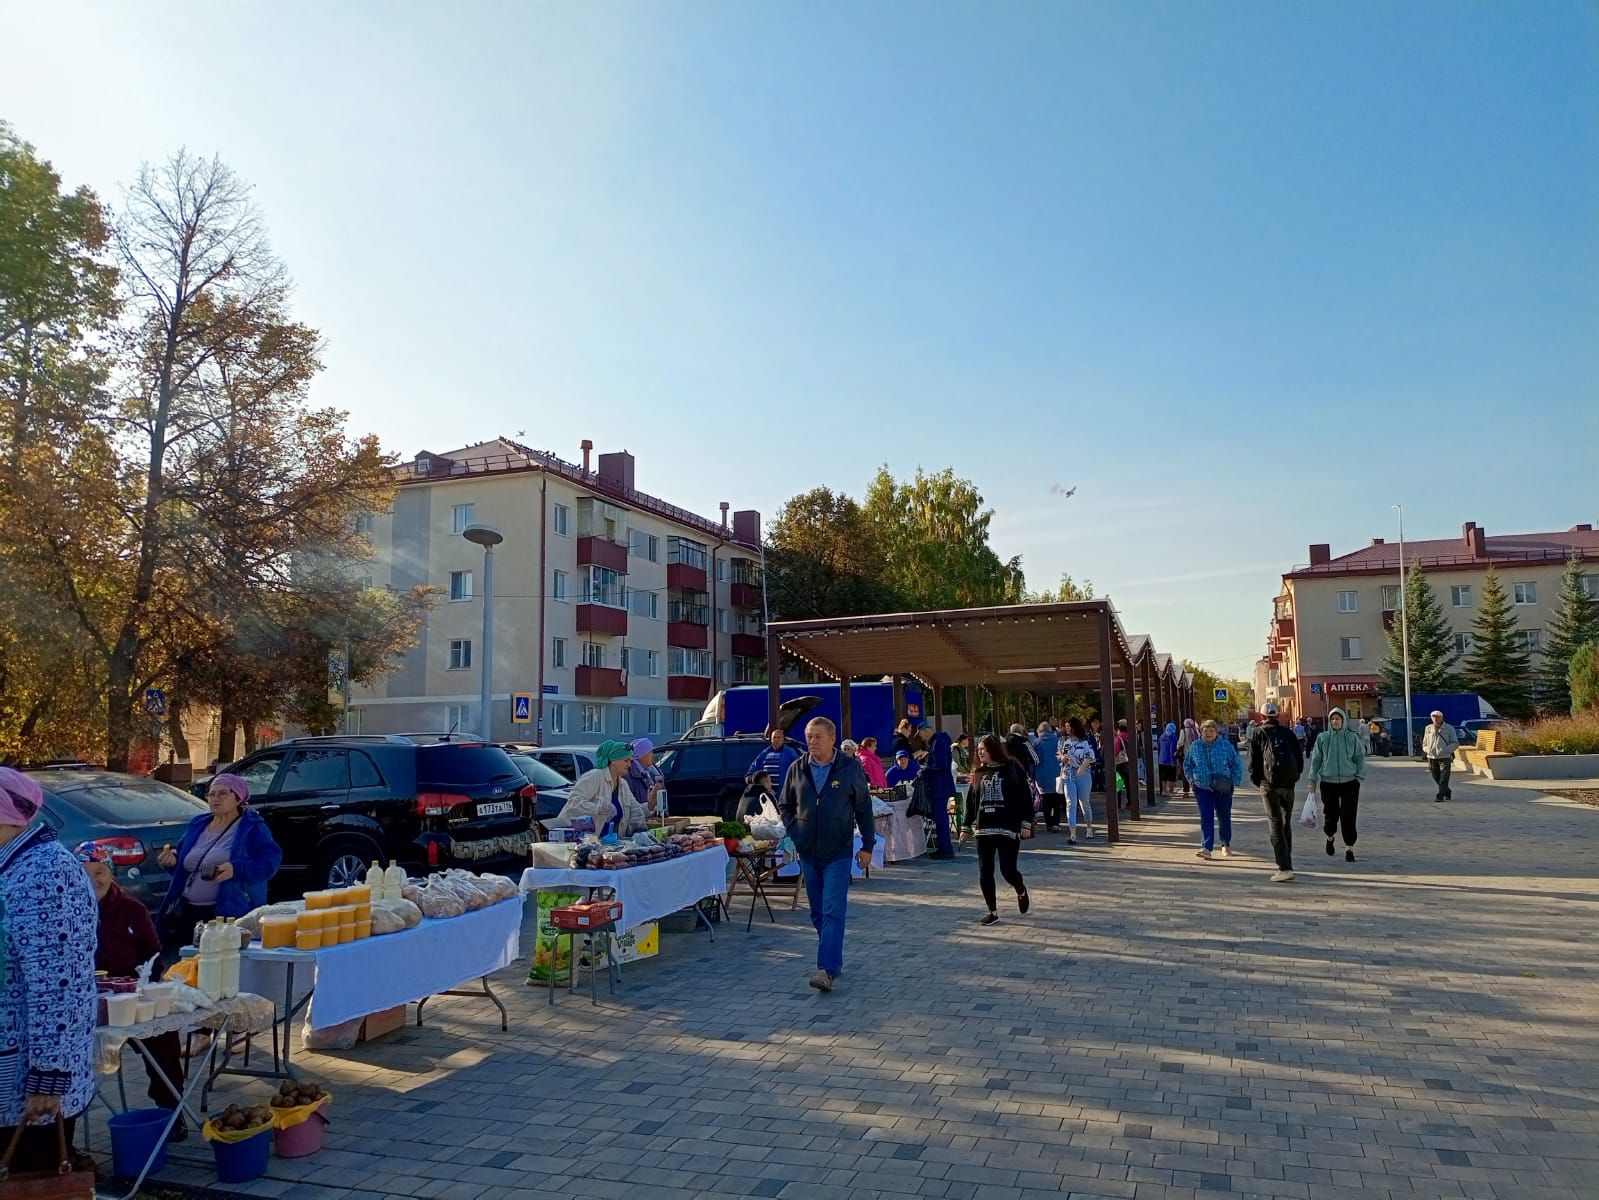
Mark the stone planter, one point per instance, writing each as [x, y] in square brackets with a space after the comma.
[1541, 766]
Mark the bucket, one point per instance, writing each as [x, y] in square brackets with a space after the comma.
[305, 1138]
[240, 1162]
[134, 1135]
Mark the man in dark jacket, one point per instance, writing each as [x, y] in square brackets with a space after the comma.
[1275, 764]
[775, 760]
[825, 799]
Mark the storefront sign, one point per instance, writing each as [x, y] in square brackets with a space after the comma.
[1361, 688]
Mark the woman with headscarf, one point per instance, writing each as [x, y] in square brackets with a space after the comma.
[47, 1000]
[223, 861]
[644, 778]
[1167, 750]
[1186, 737]
[602, 795]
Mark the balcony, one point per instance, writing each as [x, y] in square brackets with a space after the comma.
[749, 645]
[601, 552]
[687, 576]
[688, 687]
[691, 635]
[602, 618]
[745, 595]
[1285, 629]
[605, 682]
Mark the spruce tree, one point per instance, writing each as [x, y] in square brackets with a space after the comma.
[1575, 621]
[1433, 657]
[1499, 668]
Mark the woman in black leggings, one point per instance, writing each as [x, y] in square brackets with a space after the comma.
[1004, 804]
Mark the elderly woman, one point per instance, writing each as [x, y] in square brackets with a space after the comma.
[223, 861]
[644, 778]
[1214, 768]
[603, 796]
[127, 939]
[47, 1001]
[876, 776]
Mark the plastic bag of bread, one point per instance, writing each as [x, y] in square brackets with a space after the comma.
[251, 921]
[391, 916]
[498, 887]
[412, 890]
[438, 901]
[473, 893]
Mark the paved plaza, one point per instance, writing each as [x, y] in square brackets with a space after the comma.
[1423, 1022]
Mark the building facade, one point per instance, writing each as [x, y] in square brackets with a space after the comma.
[616, 613]
[1328, 633]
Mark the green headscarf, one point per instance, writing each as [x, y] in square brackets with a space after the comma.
[611, 751]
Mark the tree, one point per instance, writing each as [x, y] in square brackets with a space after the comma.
[1433, 657]
[1068, 590]
[824, 559]
[1583, 678]
[1499, 667]
[1205, 685]
[1574, 624]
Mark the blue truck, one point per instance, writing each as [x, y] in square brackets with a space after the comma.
[743, 710]
[1458, 709]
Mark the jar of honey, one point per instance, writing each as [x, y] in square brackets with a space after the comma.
[363, 929]
[318, 900]
[308, 939]
[278, 932]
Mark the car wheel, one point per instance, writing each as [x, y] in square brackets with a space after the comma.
[343, 861]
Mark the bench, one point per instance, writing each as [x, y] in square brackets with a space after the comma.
[1476, 757]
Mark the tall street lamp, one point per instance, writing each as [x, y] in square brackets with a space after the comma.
[1404, 630]
[488, 538]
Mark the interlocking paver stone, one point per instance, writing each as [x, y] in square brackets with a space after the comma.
[1423, 1022]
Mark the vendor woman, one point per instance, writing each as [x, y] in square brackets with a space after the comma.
[127, 939]
[603, 794]
[223, 861]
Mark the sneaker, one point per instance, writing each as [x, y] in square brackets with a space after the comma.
[1226, 852]
[989, 919]
[1283, 877]
[821, 981]
[1437, 799]
[1023, 902]
[1329, 846]
[1349, 856]
[1090, 834]
[1203, 854]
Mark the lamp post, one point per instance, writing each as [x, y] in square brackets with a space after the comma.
[488, 538]
[1404, 630]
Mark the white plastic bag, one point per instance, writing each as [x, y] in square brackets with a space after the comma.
[1310, 815]
[767, 824]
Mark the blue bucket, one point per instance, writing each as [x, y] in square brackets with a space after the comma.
[135, 1135]
[240, 1162]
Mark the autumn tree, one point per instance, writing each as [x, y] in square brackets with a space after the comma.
[1068, 590]
[824, 559]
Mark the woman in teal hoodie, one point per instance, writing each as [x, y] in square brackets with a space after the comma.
[1338, 764]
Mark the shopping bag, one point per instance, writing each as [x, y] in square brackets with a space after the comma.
[1310, 815]
[73, 1180]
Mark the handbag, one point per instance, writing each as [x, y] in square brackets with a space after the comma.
[72, 1180]
[1220, 785]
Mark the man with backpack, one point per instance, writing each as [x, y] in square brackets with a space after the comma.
[1275, 764]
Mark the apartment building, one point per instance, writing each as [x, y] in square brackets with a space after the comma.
[1328, 633]
[618, 613]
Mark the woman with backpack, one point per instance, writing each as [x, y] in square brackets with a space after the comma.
[1212, 765]
[999, 792]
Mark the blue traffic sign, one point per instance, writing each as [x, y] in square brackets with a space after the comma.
[1315, 689]
[552, 689]
[155, 702]
[521, 708]
[1220, 695]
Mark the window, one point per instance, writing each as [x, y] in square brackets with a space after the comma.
[556, 715]
[460, 585]
[558, 653]
[745, 570]
[1526, 593]
[721, 570]
[724, 620]
[654, 721]
[724, 671]
[638, 661]
[261, 771]
[561, 520]
[1460, 595]
[461, 516]
[1530, 640]
[593, 718]
[353, 719]
[363, 771]
[460, 654]
[455, 716]
[363, 581]
[1590, 586]
[604, 586]
[1390, 597]
[688, 662]
[680, 721]
[1462, 643]
[644, 604]
[624, 719]
[702, 762]
[558, 585]
[690, 554]
[363, 523]
[643, 545]
[652, 663]
[593, 654]
[1349, 647]
[1348, 602]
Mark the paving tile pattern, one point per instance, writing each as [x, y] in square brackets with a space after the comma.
[1421, 1023]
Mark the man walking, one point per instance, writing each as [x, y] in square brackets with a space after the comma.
[824, 800]
[1438, 743]
[1275, 764]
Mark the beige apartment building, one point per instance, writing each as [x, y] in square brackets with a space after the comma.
[618, 613]
[1328, 633]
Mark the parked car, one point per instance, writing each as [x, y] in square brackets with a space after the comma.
[552, 787]
[570, 761]
[705, 776]
[129, 816]
[1469, 730]
[335, 804]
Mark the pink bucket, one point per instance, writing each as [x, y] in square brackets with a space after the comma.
[297, 1141]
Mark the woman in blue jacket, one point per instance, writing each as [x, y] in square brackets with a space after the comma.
[224, 860]
[1215, 770]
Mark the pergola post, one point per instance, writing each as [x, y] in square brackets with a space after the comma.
[899, 698]
[774, 680]
[1130, 698]
[1107, 727]
[1157, 713]
[938, 707]
[969, 713]
[846, 718]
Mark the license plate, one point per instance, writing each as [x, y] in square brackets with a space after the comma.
[496, 808]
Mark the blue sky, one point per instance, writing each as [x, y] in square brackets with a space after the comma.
[1244, 274]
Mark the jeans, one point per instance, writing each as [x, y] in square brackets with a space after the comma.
[1078, 789]
[1006, 849]
[827, 889]
[1440, 768]
[1211, 807]
[1280, 812]
[1339, 802]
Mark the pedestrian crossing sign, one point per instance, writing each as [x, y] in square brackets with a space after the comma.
[522, 708]
[1221, 695]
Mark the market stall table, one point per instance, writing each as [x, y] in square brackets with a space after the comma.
[342, 983]
[647, 893]
[906, 836]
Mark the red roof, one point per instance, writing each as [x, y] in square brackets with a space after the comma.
[1445, 553]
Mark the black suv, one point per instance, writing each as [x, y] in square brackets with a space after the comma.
[335, 804]
[705, 774]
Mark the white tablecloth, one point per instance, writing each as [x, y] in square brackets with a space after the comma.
[647, 893]
[244, 1013]
[906, 835]
[376, 973]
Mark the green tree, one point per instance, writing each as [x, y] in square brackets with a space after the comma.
[1239, 694]
[1068, 590]
[1583, 678]
[824, 559]
[1574, 624]
[1433, 657]
[1498, 668]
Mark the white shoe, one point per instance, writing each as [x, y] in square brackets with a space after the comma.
[1225, 852]
[1283, 877]
[1203, 854]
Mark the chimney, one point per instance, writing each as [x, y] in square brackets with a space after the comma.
[1320, 554]
[617, 468]
[1376, 541]
[1582, 529]
[587, 447]
[1476, 539]
[747, 527]
[724, 506]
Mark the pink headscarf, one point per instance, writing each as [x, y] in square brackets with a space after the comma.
[234, 784]
[20, 798]
[1192, 728]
